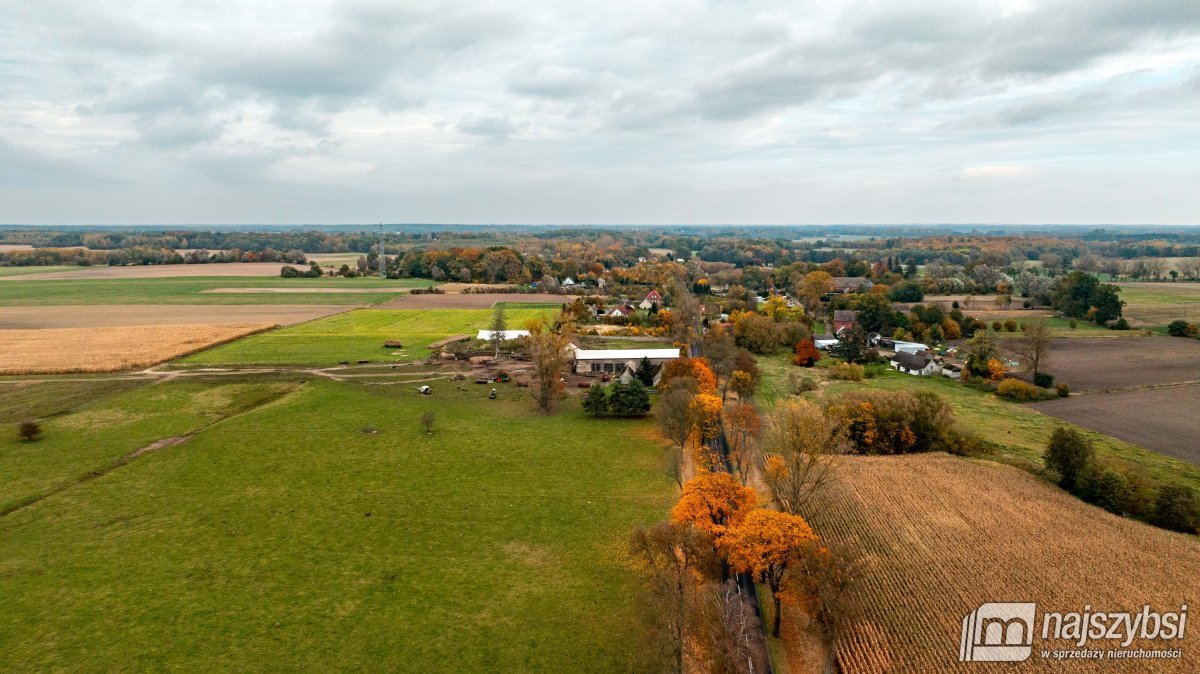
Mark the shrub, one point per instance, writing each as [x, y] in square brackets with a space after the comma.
[1107, 488]
[617, 400]
[1020, 391]
[1027, 304]
[1043, 380]
[847, 372]
[874, 370]
[1010, 326]
[1178, 328]
[29, 431]
[1069, 454]
[1121, 324]
[997, 326]
[894, 422]
[288, 271]
[1073, 323]
[1176, 508]
[1063, 390]
[799, 382]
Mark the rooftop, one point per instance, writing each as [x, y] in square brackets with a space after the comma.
[626, 354]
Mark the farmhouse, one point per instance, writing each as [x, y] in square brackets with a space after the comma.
[824, 342]
[851, 284]
[589, 361]
[920, 364]
[843, 319]
[505, 335]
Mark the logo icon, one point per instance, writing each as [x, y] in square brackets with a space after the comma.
[998, 632]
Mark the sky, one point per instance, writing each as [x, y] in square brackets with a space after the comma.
[606, 112]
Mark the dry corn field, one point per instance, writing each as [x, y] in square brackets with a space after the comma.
[66, 350]
[940, 535]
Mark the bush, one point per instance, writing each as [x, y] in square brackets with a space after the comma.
[1069, 454]
[1063, 390]
[894, 422]
[847, 372]
[617, 400]
[29, 431]
[997, 326]
[1027, 304]
[1073, 323]
[289, 272]
[799, 382]
[1010, 326]
[1176, 508]
[1020, 391]
[1179, 328]
[1043, 380]
[875, 370]
[1121, 324]
[1107, 488]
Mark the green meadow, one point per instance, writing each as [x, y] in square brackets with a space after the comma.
[192, 290]
[282, 537]
[359, 335]
[26, 271]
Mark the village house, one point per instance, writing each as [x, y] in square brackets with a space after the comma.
[843, 319]
[617, 361]
[919, 364]
[568, 282]
[851, 284]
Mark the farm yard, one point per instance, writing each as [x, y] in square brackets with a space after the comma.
[359, 335]
[317, 546]
[940, 535]
[111, 349]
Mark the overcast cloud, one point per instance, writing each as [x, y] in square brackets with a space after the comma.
[1075, 111]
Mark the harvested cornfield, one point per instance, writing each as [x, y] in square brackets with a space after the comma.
[940, 536]
[67, 350]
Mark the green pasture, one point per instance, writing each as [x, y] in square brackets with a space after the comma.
[191, 290]
[286, 538]
[359, 335]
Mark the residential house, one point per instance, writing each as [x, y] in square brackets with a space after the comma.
[843, 319]
[653, 297]
[920, 364]
[851, 284]
[568, 282]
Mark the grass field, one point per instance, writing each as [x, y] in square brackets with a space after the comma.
[192, 290]
[940, 535]
[1161, 303]
[286, 539]
[26, 271]
[20, 400]
[359, 335]
[1019, 431]
[58, 350]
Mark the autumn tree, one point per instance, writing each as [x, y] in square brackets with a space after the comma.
[721, 353]
[705, 410]
[807, 353]
[1032, 348]
[674, 417]
[712, 502]
[742, 384]
[548, 353]
[824, 576]
[696, 368]
[811, 288]
[801, 447]
[673, 555]
[743, 426]
[685, 313]
[980, 349]
[765, 544]
[29, 431]
[732, 636]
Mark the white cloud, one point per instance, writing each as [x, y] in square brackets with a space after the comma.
[613, 111]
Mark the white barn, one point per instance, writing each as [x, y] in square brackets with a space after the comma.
[486, 335]
[616, 361]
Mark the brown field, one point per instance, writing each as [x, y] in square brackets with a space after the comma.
[1154, 418]
[160, 271]
[1100, 364]
[119, 315]
[6, 247]
[302, 291]
[940, 535]
[471, 301]
[67, 350]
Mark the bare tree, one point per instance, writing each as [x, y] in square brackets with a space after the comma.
[675, 420]
[428, 419]
[830, 571]
[670, 554]
[800, 451]
[499, 326]
[1033, 347]
[734, 637]
[548, 352]
[685, 313]
[1189, 268]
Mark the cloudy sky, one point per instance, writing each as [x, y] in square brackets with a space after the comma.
[672, 111]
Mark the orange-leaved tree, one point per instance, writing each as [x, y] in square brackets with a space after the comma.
[806, 353]
[705, 411]
[712, 502]
[766, 544]
[696, 368]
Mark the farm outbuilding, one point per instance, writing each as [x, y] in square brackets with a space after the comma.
[920, 364]
[486, 335]
[588, 361]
